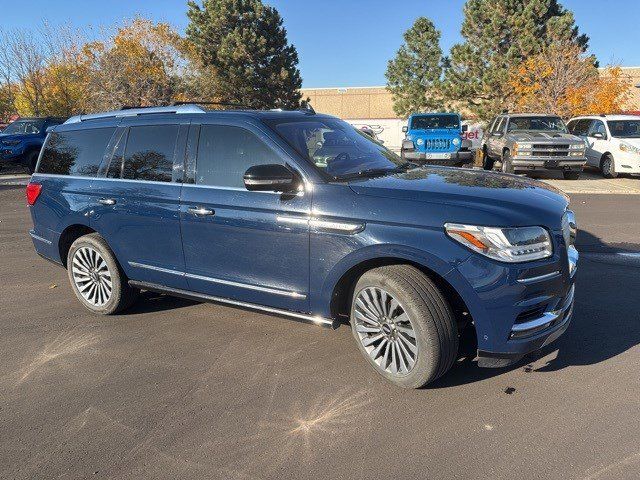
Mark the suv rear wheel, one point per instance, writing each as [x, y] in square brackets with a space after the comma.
[403, 325]
[96, 277]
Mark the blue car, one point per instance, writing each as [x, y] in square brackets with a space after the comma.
[298, 214]
[21, 141]
[436, 139]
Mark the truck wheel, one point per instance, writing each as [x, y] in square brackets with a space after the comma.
[487, 163]
[571, 174]
[403, 325]
[31, 162]
[96, 277]
[607, 167]
[507, 166]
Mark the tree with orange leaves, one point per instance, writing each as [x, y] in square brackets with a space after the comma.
[564, 81]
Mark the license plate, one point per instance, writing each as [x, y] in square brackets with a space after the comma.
[437, 156]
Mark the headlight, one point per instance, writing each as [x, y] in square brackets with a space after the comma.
[419, 141]
[576, 146]
[625, 147]
[523, 145]
[456, 141]
[10, 143]
[521, 244]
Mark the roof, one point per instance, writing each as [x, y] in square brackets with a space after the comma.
[608, 117]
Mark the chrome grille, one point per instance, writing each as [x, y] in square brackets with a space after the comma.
[550, 150]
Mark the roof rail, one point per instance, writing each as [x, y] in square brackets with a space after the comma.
[207, 102]
[133, 112]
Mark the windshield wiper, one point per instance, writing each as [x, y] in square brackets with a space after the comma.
[376, 172]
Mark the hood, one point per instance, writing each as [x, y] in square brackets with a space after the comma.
[546, 137]
[473, 196]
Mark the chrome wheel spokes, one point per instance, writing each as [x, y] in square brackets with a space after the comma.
[385, 331]
[91, 276]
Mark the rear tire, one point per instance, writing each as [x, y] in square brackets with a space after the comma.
[571, 174]
[507, 166]
[418, 338]
[607, 167]
[96, 277]
[487, 163]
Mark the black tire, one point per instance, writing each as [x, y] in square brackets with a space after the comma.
[31, 161]
[122, 295]
[571, 174]
[507, 166]
[487, 162]
[607, 167]
[431, 316]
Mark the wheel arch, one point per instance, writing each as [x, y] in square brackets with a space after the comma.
[603, 156]
[69, 235]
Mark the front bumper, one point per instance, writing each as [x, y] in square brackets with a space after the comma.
[440, 158]
[519, 308]
[548, 163]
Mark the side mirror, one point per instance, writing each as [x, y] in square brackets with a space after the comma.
[465, 128]
[408, 146]
[405, 129]
[271, 178]
[599, 135]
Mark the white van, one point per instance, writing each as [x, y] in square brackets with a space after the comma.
[612, 141]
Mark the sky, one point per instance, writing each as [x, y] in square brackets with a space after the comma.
[345, 43]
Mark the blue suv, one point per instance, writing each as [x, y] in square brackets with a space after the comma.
[21, 141]
[298, 214]
[436, 139]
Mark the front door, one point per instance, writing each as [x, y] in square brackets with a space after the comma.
[597, 141]
[247, 246]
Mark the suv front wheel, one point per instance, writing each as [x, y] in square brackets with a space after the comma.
[96, 277]
[403, 325]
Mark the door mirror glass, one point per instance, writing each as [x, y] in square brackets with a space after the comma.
[408, 146]
[271, 178]
[405, 129]
[465, 128]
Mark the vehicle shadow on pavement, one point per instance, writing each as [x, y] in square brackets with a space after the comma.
[605, 322]
[151, 302]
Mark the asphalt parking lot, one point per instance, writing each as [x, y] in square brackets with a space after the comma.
[176, 389]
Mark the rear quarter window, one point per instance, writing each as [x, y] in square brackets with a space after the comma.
[77, 152]
[149, 153]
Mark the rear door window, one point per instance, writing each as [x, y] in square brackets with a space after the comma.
[149, 153]
[225, 153]
[77, 152]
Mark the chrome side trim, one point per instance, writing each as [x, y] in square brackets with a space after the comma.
[292, 220]
[39, 238]
[329, 226]
[210, 298]
[275, 291]
[545, 318]
[539, 278]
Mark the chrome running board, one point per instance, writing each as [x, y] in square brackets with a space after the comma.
[315, 319]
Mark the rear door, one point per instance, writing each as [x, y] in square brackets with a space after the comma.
[247, 246]
[597, 146]
[137, 196]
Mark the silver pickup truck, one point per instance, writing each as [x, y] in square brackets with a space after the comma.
[532, 142]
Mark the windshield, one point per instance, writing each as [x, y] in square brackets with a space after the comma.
[624, 128]
[426, 122]
[335, 147]
[553, 124]
[24, 126]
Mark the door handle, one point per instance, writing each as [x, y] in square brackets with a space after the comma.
[201, 211]
[107, 201]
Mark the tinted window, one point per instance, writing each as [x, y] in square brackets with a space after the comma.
[75, 153]
[499, 125]
[625, 128]
[598, 127]
[225, 153]
[554, 124]
[22, 127]
[435, 121]
[579, 127]
[149, 153]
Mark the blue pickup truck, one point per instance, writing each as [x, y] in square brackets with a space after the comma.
[21, 141]
[436, 138]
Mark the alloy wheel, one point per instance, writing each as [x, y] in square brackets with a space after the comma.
[385, 331]
[91, 276]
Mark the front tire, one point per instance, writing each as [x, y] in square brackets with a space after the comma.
[507, 166]
[487, 163]
[96, 277]
[608, 168]
[403, 325]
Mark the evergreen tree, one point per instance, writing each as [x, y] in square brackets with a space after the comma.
[244, 46]
[498, 36]
[414, 75]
